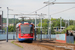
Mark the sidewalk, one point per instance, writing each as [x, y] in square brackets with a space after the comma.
[8, 46]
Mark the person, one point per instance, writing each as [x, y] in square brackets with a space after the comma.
[67, 34]
[71, 33]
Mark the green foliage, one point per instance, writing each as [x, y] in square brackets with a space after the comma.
[44, 25]
[71, 27]
[10, 20]
[56, 22]
[11, 28]
[38, 31]
[52, 30]
[71, 22]
[57, 32]
[4, 20]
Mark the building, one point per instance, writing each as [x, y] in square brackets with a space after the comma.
[56, 29]
[0, 22]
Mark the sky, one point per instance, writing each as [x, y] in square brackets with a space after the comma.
[28, 6]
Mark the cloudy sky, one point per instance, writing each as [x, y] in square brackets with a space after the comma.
[28, 6]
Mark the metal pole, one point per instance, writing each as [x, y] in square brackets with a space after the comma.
[73, 22]
[68, 22]
[65, 23]
[50, 27]
[7, 25]
[35, 26]
[41, 27]
[2, 22]
[49, 21]
[14, 28]
[60, 24]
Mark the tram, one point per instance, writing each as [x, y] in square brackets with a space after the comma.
[25, 31]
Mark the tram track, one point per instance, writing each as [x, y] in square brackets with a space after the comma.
[51, 45]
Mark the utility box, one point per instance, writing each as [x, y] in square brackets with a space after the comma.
[70, 39]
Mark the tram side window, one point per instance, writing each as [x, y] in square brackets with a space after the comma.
[17, 30]
[31, 29]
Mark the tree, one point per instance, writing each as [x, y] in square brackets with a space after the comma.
[11, 28]
[71, 22]
[44, 26]
[71, 27]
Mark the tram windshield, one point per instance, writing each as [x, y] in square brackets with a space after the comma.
[26, 29]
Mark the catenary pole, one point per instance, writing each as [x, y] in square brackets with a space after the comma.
[7, 25]
[49, 28]
[1, 20]
[60, 24]
[35, 25]
[41, 27]
[14, 28]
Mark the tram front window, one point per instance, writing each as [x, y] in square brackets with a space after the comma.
[25, 29]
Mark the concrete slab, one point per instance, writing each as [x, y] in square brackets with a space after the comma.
[8, 46]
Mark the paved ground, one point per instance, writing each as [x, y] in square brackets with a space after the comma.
[31, 46]
[8, 46]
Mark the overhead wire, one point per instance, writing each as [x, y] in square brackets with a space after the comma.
[63, 11]
[42, 7]
[39, 9]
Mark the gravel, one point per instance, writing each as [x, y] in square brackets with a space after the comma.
[27, 46]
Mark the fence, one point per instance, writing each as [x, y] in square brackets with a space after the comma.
[10, 36]
[45, 36]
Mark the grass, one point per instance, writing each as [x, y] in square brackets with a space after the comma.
[74, 42]
[16, 44]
